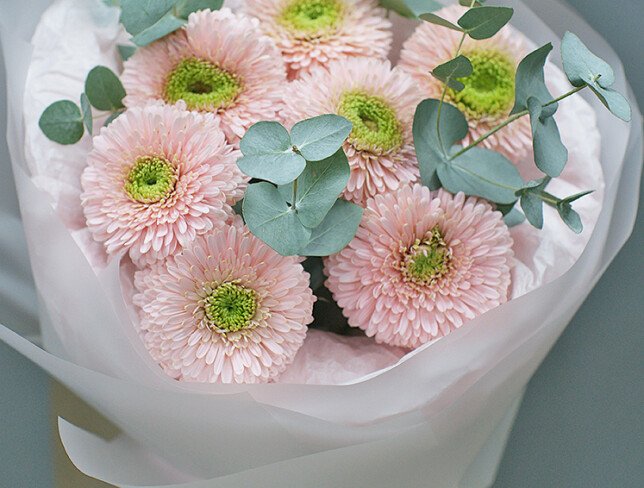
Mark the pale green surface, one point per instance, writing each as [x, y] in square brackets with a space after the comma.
[580, 425]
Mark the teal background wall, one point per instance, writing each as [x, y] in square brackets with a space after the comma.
[580, 425]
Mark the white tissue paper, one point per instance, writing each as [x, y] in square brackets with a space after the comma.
[348, 412]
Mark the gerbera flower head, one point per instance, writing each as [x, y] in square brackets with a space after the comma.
[226, 309]
[421, 264]
[219, 63]
[157, 177]
[380, 103]
[488, 96]
[311, 33]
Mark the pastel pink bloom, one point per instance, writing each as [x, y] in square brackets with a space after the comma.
[380, 102]
[312, 33]
[157, 177]
[233, 69]
[227, 309]
[431, 45]
[421, 265]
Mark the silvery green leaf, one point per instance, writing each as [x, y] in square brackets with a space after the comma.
[453, 128]
[529, 79]
[319, 186]
[112, 117]
[126, 51]
[271, 219]
[62, 122]
[584, 67]
[532, 206]
[104, 89]
[185, 7]
[483, 173]
[435, 19]
[468, 3]
[411, 8]
[86, 109]
[452, 70]
[164, 26]
[581, 65]
[320, 137]
[577, 196]
[613, 101]
[336, 230]
[268, 154]
[484, 22]
[138, 15]
[513, 217]
[550, 155]
[570, 217]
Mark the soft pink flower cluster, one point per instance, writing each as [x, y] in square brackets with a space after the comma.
[217, 304]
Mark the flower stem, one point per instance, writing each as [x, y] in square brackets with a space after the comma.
[511, 119]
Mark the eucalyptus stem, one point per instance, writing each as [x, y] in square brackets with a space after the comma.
[511, 119]
[294, 195]
[442, 99]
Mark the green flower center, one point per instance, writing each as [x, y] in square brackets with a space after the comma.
[202, 85]
[427, 259]
[311, 17]
[375, 126]
[151, 179]
[230, 307]
[489, 90]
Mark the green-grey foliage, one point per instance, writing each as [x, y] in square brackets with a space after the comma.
[429, 149]
[149, 20]
[411, 8]
[269, 154]
[450, 72]
[319, 186]
[336, 230]
[271, 219]
[86, 109]
[484, 22]
[320, 137]
[585, 68]
[62, 122]
[104, 89]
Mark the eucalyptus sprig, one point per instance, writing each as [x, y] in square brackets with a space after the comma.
[296, 209]
[149, 20]
[65, 122]
[439, 126]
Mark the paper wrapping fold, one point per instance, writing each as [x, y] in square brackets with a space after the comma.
[440, 416]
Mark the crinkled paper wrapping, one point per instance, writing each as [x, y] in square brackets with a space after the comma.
[436, 417]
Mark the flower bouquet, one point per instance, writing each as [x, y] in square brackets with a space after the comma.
[280, 240]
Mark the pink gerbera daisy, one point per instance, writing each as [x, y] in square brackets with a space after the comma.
[421, 264]
[227, 309]
[488, 96]
[157, 177]
[220, 63]
[311, 33]
[380, 103]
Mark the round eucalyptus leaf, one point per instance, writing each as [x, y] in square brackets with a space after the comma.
[320, 137]
[272, 220]
[269, 155]
[336, 230]
[104, 89]
[319, 186]
[62, 122]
